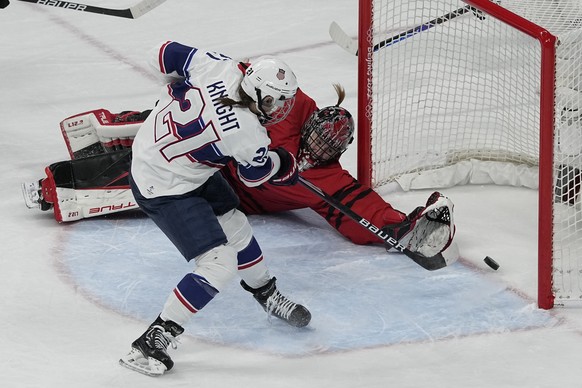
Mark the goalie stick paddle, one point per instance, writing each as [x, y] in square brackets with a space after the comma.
[133, 12]
[342, 39]
[432, 263]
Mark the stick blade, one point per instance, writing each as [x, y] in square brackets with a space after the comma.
[144, 7]
[342, 39]
[441, 260]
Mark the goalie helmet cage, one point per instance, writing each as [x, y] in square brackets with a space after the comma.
[495, 91]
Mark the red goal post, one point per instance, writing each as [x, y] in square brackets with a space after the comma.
[483, 89]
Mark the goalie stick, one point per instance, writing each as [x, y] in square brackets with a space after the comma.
[432, 263]
[340, 37]
[133, 12]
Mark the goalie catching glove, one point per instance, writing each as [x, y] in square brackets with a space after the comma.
[427, 230]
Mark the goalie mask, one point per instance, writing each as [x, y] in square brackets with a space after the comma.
[326, 135]
[270, 82]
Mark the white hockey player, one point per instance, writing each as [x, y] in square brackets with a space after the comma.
[209, 116]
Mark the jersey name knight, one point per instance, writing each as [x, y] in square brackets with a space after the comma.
[226, 117]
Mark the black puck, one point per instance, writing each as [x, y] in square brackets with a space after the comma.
[491, 263]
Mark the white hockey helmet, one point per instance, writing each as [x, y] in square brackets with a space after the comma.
[269, 82]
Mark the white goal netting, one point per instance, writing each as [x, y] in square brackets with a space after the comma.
[456, 100]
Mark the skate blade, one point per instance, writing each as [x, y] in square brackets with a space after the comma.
[31, 195]
[135, 361]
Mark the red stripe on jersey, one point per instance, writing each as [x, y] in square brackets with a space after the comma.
[161, 57]
[186, 304]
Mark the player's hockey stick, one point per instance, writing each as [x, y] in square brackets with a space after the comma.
[432, 263]
[351, 45]
[133, 12]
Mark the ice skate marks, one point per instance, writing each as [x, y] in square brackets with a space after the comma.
[360, 297]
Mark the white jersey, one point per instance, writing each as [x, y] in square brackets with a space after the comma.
[190, 135]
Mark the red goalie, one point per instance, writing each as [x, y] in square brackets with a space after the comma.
[316, 137]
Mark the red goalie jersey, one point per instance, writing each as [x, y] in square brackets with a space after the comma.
[331, 178]
[99, 147]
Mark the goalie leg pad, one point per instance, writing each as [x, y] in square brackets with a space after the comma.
[83, 188]
[100, 131]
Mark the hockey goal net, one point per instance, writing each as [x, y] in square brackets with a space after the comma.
[449, 87]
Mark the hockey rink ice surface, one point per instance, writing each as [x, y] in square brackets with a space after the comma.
[74, 296]
[360, 297]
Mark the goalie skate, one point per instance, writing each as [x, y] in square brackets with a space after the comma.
[32, 193]
[149, 366]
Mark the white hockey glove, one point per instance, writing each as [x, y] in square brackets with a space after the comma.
[427, 230]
